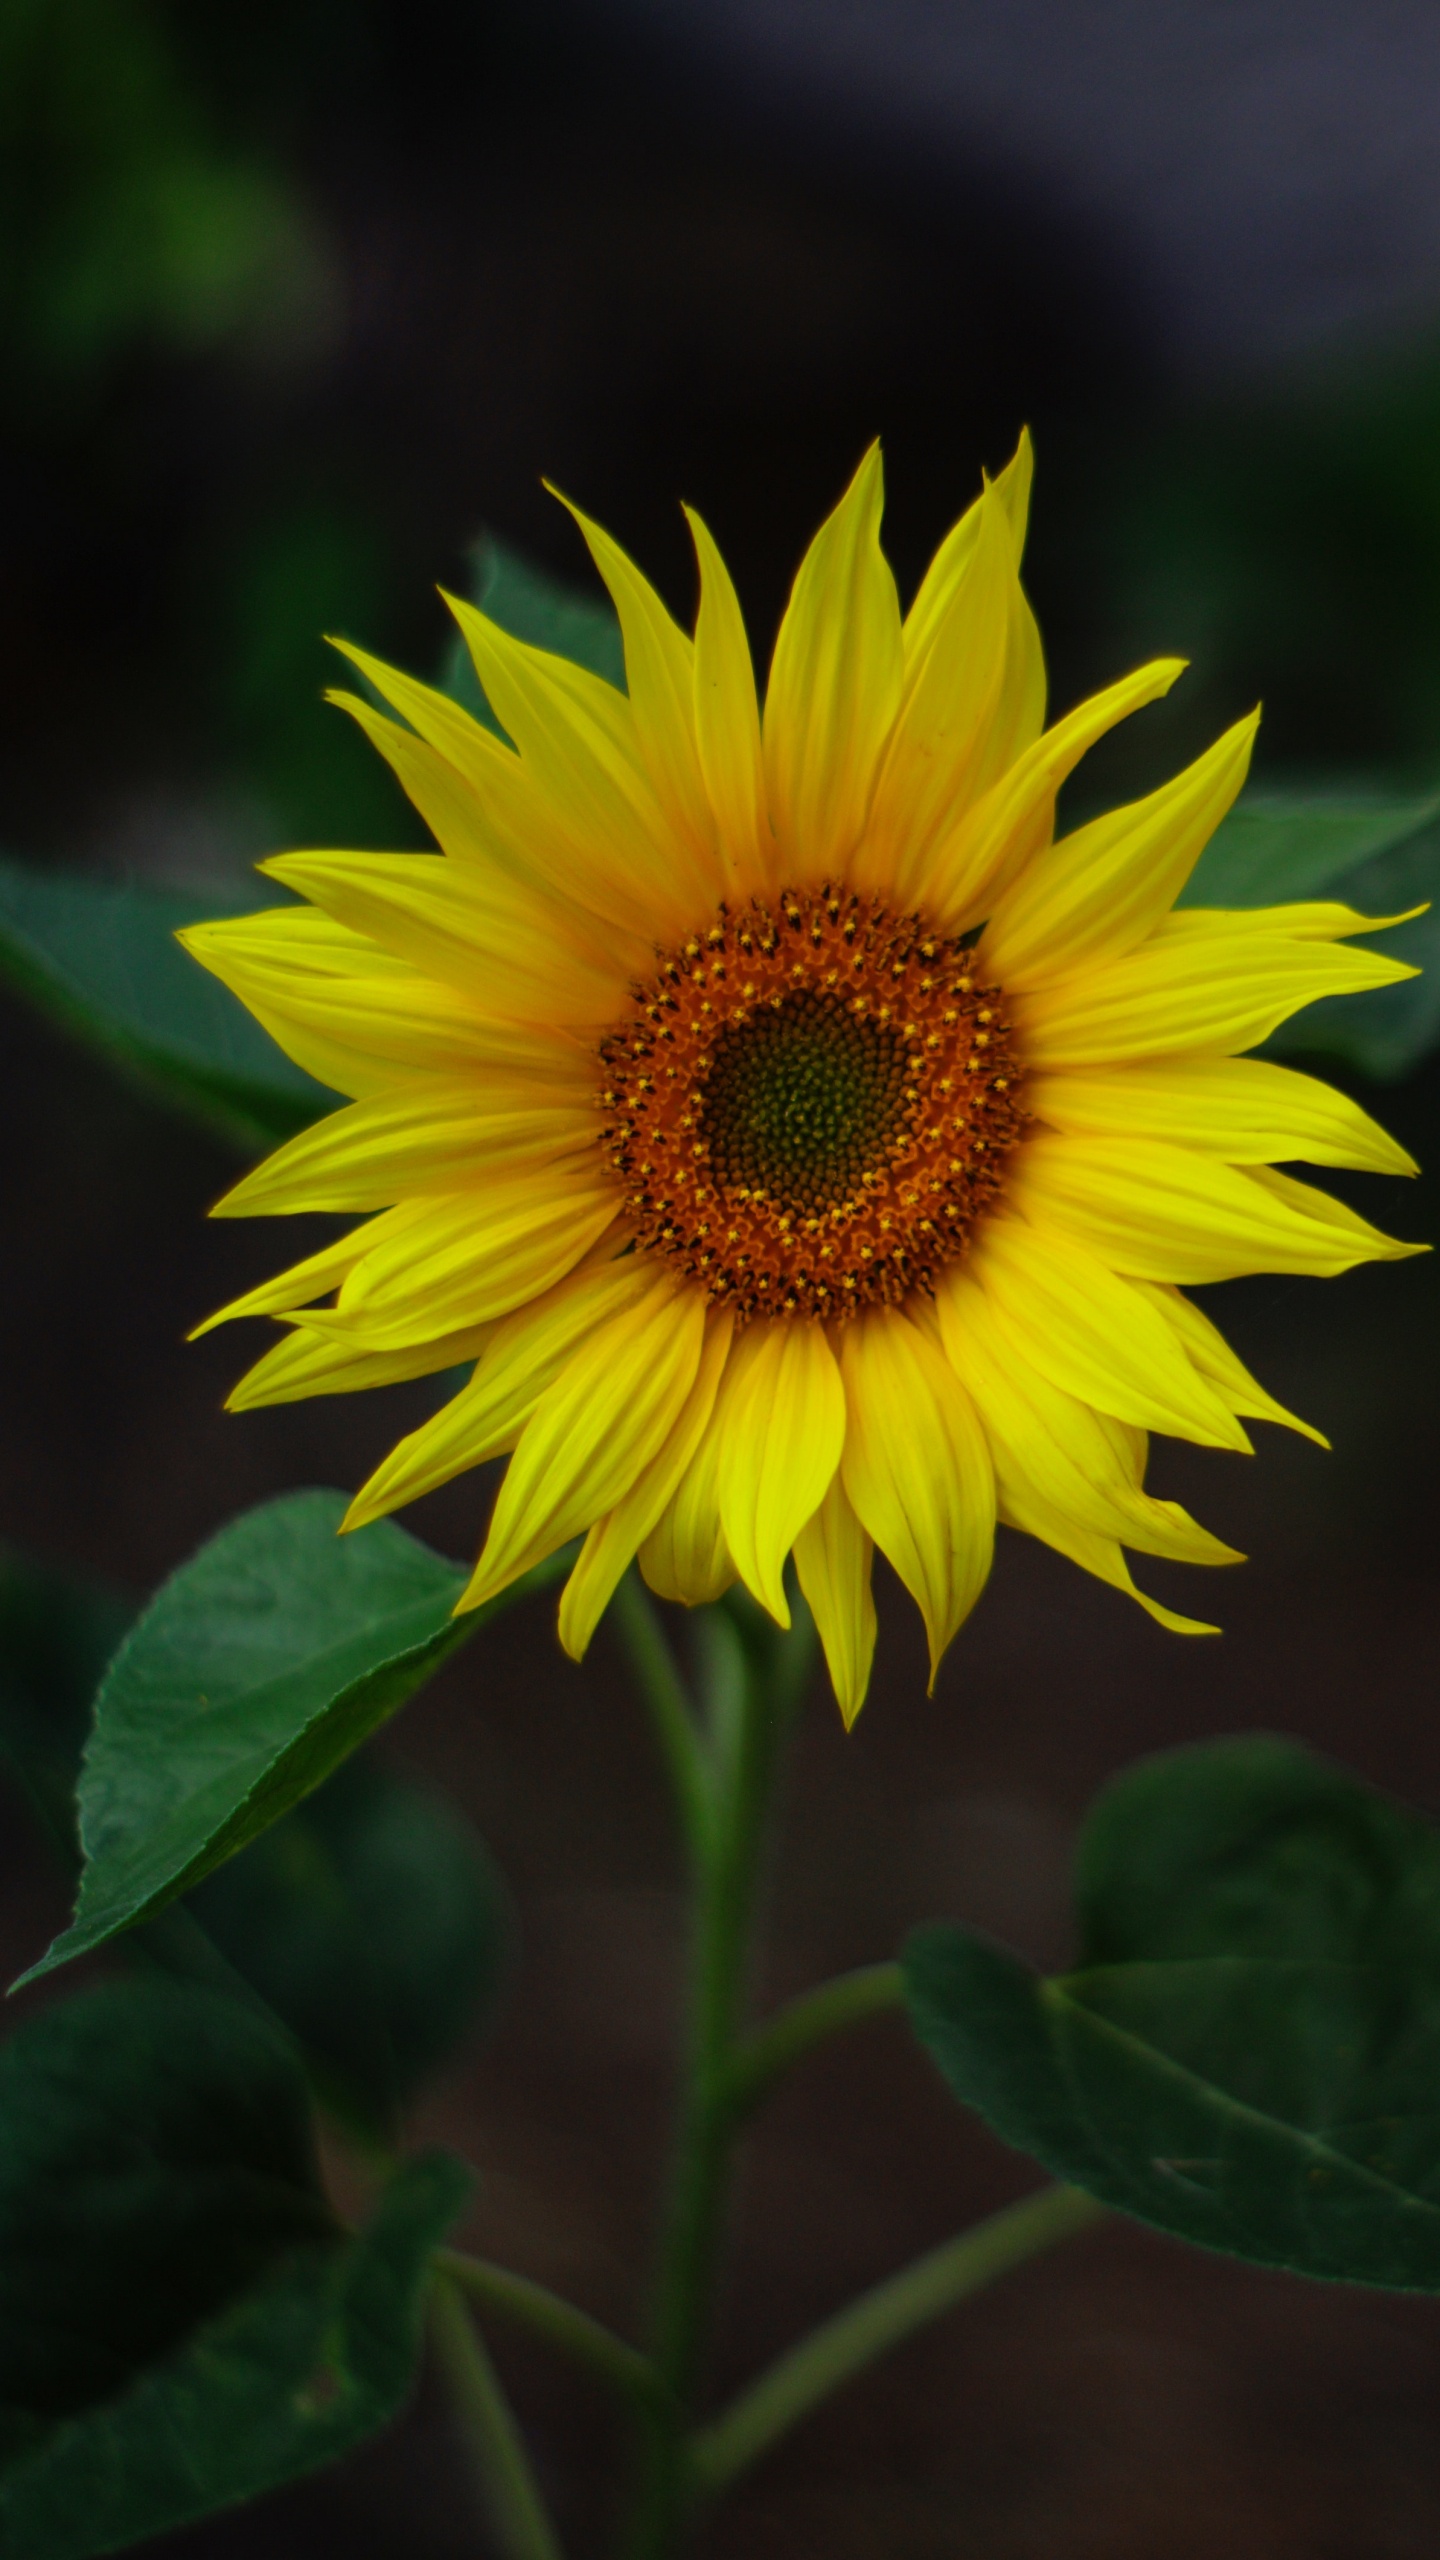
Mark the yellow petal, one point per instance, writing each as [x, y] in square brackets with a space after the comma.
[318, 1273]
[951, 563]
[461, 754]
[469, 1258]
[1012, 487]
[582, 752]
[1052, 1449]
[1099, 1556]
[1242, 1109]
[971, 864]
[660, 677]
[494, 940]
[832, 1559]
[1019, 714]
[1212, 1355]
[311, 1364]
[434, 1136]
[1099, 892]
[1093, 1334]
[593, 1433]
[727, 723]
[613, 1541]
[1157, 1212]
[782, 1430]
[685, 1557]
[522, 1357]
[834, 687]
[1303, 920]
[355, 1015]
[487, 806]
[1200, 982]
[917, 1469]
[503, 832]
[941, 748]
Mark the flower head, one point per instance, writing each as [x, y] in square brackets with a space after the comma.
[808, 1150]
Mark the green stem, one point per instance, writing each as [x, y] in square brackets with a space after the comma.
[663, 1690]
[749, 1699]
[867, 2329]
[517, 2512]
[806, 2022]
[533, 2306]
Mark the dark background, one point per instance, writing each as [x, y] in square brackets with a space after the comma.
[294, 301]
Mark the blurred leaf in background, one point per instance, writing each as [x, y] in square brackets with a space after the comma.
[100, 956]
[288, 574]
[183, 2322]
[1288, 541]
[122, 216]
[1376, 852]
[168, 280]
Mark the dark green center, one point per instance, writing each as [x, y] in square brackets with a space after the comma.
[802, 1101]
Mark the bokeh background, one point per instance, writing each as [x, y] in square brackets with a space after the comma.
[295, 301]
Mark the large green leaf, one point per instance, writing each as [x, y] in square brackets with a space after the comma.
[1248, 2052]
[373, 1922]
[1380, 855]
[256, 1669]
[182, 2321]
[537, 608]
[101, 956]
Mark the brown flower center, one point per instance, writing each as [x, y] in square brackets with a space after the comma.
[811, 1105]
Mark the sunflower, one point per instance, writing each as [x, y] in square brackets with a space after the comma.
[808, 1151]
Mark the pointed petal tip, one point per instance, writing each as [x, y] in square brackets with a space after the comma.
[587, 524]
[872, 465]
[1171, 1619]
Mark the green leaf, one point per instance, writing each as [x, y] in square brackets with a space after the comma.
[1248, 2053]
[155, 2156]
[373, 1922]
[1380, 855]
[1278, 845]
[182, 2322]
[101, 957]
[523, 600]
[56, 1635]
[257, 1668]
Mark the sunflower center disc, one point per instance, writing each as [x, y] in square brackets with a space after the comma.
[811, 1105]
[801, 1101]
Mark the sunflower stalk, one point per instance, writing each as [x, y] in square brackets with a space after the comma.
[880, 2319]
[751, 1687]
[871, 1991]
[509, 2491]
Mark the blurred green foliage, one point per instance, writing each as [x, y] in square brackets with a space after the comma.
[123, 214]
[207, 469]
[1287, 539]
